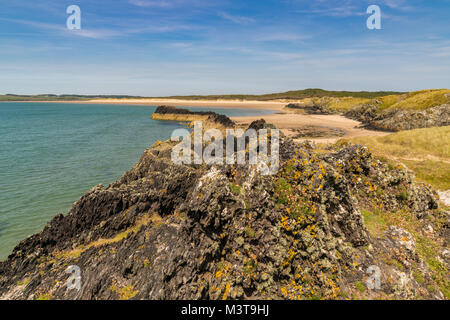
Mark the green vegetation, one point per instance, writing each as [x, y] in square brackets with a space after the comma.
[23, 282]
[235, 189]
[424, 151]
[125, 293]
[344, 104]
[250, 232]
[293, 95]
[377, 221]
[283, 190]
[417, 100]
[340, 104]
[361, 288]
[75, 253]
[44, 296]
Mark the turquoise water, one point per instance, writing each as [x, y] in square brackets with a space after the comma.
[52, 153]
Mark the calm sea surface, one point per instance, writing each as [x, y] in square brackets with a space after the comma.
[52, 153]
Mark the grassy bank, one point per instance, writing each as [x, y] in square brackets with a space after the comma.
[417, 100]
[291, 95]
[295, 95]
[424, 151]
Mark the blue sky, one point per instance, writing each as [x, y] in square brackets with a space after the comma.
[168, 47]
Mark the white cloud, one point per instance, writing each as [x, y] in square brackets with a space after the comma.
[149, 3]
[442, 52]
[281, 37]
[236, 19]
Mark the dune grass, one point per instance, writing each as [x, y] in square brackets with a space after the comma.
[289, 95]
[346, 103]
[424, 151]
[417, 100]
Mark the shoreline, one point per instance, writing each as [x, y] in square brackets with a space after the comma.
[232, 104]
[287, 122]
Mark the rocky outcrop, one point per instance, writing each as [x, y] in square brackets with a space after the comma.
[316, 132]
[312, 106]
[397, 120]
[317, 229]
[183, 115]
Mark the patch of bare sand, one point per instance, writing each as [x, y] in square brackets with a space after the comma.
[289, 122]
[444, 196]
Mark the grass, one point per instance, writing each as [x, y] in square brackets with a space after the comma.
[283, 189]
[44, 296]
[23, 282]
[346, 103]
[413, 143]
[435, 173]
[75, 253]
[294, 95]
[339, 104]
[424, 151]
[427, 248]
[417, 100]
[235, 189]
[289, 95]
[375, 222]
[361, 288]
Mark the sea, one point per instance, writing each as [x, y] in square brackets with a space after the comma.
[53, 153]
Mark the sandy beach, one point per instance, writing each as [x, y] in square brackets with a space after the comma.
[263, 105]
[287, 122]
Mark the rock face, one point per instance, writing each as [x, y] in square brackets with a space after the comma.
[313, 106]
[397, 120]
[177, 114]
[312, 231]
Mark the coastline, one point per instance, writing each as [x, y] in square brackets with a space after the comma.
[287, 122]
[233, 104]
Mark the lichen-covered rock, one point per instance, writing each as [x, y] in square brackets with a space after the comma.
[397, 120]
[313, 230]
[313, 106]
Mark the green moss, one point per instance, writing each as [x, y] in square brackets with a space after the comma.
[418, 276]
[44, 296]
[235, 189]
[23, 282]
[282, 191]
[375, 222]
[361, 288]
[395, 263]
[250, 266]
[249, 232]
[402, 196]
